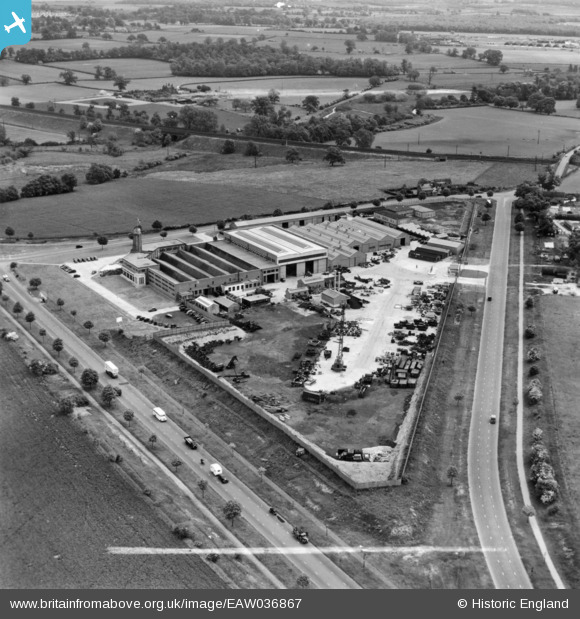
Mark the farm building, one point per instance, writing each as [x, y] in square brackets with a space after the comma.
[293, 293]
[453, 246]
[394, 214]
[430, 254]
[423, 212]
[333, 298]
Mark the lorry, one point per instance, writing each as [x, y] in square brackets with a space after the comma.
[300, 534]
[111, 369]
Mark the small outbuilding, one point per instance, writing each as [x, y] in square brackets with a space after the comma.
[333, 298]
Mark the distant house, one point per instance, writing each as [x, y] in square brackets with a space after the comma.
[394, 214]
[205, 304]
[423, 212]
[227, 305]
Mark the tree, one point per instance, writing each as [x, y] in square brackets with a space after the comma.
[232, 510]
[17, 309]
[274, 95]
[432, 71]
[157, 225]
[176, 463]
[104, 336]
[277, 213]
[99, 174]
[102, 241]
[529, 302]
[413, 75]
[485, 218]
[311, 103]
[60, 303]
[334, 155]
[88, 325]
[202, 485]
[69, 181]
[458, 397]
[121, 82]
[519, 227]
[375, 81]
[519, 218]
[26, 79]
[9, 232]
[350, 46]
[35, 282]
[42, 333]
[128, 416]
[68, 77]
[73, 313]
[293, 155]
[364, 138]
[153, 440]
[303, 582]
[15, 102]
[192, 229]
[228, 147]
[30, 318]
[108, 395]
[493, 57]
[221, 225]
[252, 150]
[503, 68]
[528, 511]
[451, 474]
[163, 234]
[471, 309]
[66, 406]
[57, 346]
[74, 363]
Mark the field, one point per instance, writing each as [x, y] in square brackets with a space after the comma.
[487, 131]
[116, 206]
[571, 183]
[508, 174]
[55, 499]
[357, 180]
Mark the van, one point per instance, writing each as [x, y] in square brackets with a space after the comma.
[111, 369]
[159, 414]
[215, 469]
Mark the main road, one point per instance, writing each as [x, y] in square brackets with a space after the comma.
[322, 572]
[500, 550]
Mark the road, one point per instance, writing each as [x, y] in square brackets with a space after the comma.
[500, 551]
[322, 572]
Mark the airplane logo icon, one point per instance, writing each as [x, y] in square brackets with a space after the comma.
[17, 22]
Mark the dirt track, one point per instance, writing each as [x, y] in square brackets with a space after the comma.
[59, 516]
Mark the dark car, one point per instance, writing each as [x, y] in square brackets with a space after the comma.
[77, 275]
[223, 479]
[79, 247]
[190, 442]
[153, 309]
[489, 298]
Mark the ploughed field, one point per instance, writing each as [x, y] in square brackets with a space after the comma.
[63, 503]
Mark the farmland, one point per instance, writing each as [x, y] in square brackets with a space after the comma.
[116, 206]
[59, 478]
[460, 130]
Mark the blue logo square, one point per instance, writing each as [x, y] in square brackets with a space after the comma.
[15, 22]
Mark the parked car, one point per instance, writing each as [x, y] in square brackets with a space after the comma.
[79, 247]
[6, 278]
[493, 419]
[159, 414]
[223, 479]
[190, 442]
[153, 309]
[77, 275]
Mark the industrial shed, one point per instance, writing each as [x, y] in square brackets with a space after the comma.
[227, 305]
[430, 254]
[333, 298]
[453, 246]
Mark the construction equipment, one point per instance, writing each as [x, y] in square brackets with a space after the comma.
[300, 534]
[339, 365]
[232, 363]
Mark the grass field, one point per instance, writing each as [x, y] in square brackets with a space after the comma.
[508, 174]
[130, 67]
[58, 515]
[115, 206]
[357, 180]
[489, 131]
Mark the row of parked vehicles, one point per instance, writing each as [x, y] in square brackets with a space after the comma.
[89, 259]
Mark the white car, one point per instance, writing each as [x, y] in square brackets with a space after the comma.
[159, 414]
[6, 278]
